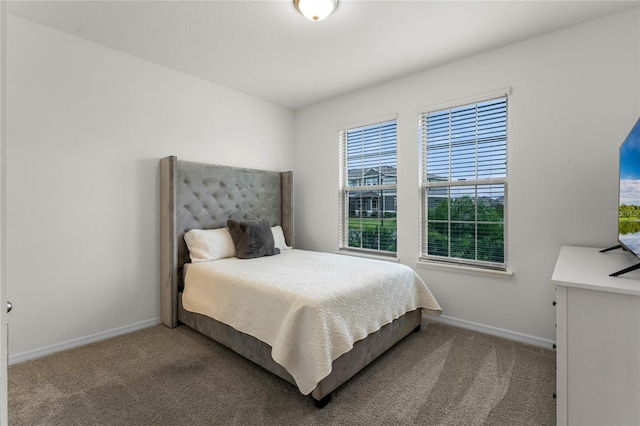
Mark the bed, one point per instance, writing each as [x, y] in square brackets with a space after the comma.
[198, 196]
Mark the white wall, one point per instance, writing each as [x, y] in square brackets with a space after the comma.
[87, 126]
[575, 96]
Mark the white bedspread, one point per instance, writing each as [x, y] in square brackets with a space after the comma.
[310, 307]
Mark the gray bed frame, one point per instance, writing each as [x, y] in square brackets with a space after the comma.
[203, 196]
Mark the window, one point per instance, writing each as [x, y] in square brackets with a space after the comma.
[463, 180]
[368, 188]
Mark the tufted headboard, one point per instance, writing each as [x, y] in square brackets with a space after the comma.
[204, 196]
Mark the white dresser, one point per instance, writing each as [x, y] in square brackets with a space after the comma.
[597, 338]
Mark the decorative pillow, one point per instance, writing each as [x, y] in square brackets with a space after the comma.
[209, 244]
[278, 238]
[252, 238]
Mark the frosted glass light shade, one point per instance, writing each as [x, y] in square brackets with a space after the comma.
[315, 10]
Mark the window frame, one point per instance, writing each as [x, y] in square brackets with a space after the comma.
[345, 188]
[424, 257]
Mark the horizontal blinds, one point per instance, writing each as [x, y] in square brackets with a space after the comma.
[371, 152]
[466, 143]
[368, 196]
[463, 174]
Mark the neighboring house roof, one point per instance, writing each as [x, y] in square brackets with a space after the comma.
[365, 194]
[493, 201]
[372, 171]
[386, 171]
[435, 178]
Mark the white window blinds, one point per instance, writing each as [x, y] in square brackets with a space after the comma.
[368, 197]
[463, 184]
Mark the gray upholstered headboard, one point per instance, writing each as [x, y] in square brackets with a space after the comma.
[204, 196]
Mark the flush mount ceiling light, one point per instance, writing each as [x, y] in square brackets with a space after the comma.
[315, 10]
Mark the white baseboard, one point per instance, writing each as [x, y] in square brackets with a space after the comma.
[48, 350]
[494, 331]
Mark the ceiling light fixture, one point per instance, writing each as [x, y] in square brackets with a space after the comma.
[315, 10]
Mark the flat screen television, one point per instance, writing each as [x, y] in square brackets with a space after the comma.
[629, 197]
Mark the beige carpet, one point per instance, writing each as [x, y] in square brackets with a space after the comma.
[442, 375]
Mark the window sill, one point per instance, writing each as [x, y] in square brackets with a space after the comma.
[464, 269]
[369, 255]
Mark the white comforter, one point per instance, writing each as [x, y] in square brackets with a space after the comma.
[310, 307]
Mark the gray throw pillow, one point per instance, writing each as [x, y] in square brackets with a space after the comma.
[252, 238]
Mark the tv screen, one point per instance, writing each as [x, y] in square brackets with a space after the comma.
[629, 194]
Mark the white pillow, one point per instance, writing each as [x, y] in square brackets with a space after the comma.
[278, 238]
[209, 244]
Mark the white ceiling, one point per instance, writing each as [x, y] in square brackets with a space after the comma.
[266, 49]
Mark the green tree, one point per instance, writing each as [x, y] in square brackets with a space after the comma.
[467, 217]
[369, 236]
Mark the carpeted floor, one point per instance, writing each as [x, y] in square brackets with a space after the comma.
[442, 375]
